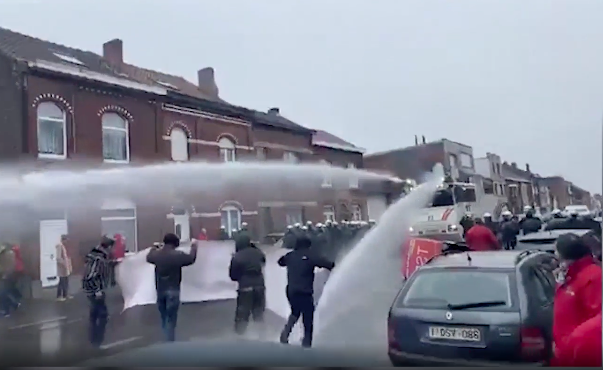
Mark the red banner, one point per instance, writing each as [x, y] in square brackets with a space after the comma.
[416, 252]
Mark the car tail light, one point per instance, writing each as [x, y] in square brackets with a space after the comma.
[391, 334]
[533, 344]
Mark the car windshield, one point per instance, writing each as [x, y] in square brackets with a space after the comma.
[446, 288]
[452, 195]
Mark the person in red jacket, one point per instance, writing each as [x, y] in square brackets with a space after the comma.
[202, 235]
[578, 293]
[582, 348]
[481, 238]
[15, 277]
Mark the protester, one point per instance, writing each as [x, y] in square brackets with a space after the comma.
[168, 263]
[7, 267]
[95, 282]
[64, 269]
[202, 235]
[530, 223]
[14, 280]
[300, 264]
[578, 295]
[583, 347]
[246, 268]
[481, 238]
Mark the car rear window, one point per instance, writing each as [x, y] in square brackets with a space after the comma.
[442, 287]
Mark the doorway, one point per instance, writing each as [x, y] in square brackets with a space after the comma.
[50, 236]
[182, 227]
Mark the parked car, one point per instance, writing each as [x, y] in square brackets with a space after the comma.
[544, 240]
[475, 309]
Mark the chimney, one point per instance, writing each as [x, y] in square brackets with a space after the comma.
[207, 81]
[274, 111]
[416, 140]
[113, 51]
[423, 139]
[528, 167]
[514, 164]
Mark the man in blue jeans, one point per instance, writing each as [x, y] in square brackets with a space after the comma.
[168, 263]
[96, 279]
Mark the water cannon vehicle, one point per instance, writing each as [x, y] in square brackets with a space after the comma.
[441, 218]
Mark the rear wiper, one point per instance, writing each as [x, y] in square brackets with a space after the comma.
[465, 306]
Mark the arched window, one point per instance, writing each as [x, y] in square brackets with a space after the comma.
[179, 144]
[231, 219]
[52, 131]
[326, 179]
[353, 177]
[227, 150]
[116, 146]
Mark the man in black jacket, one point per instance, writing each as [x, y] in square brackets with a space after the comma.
[247, 269]
[96, 280]
[300, 264]
[168, 275]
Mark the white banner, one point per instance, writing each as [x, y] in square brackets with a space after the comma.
[206, 280]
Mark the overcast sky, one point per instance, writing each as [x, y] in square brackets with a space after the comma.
[523, 79]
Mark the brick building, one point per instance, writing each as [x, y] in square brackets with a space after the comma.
[65, 108]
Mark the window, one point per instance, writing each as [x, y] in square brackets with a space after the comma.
[353, 177]
[329, 213]
[498, 168]
[116, 147]
[261, 153]
[439, 288]
[489, 187]
[543, 286]
[227, 150]
[120, 218]
[466, 160]
[493, 168]
[501, 190]
[231, 219]
[290, 157]
[294, 216]
[52, 131]
[179, 144]
[326, 178]
[356, 212]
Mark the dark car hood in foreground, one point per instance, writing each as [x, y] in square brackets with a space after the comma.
[244, 353]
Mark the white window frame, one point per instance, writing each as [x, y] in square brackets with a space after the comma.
[229, 227]
[356, 212]
[354, 182]
[52, 119]
[464, 157]
[290, 157]
[329, 213]
[122, 205]
[179, 131]
[327, 181]
[126, 130]
[227, 150]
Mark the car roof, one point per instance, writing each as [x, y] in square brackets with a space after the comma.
[486, 259]
[551, 234]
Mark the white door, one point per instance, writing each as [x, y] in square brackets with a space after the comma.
[182, 227]
[50, 236]
[376, 206]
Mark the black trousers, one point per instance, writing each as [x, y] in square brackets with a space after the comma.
[302, 304]
[168, 304]
[251, 301]
[63, 287]
[99, 315]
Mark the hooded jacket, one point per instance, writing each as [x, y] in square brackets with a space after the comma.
[300, 264]
[577, 299]
[97, 271]
[481, 238]
[168, 263]
[247, 264]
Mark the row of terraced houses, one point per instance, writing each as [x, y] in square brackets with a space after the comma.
[66, 108]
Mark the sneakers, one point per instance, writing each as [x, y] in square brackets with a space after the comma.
[61, 299]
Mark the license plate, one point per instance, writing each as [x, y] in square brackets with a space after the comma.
[433, 231]
[464, 334]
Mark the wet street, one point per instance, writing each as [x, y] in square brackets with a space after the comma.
[55, 333]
